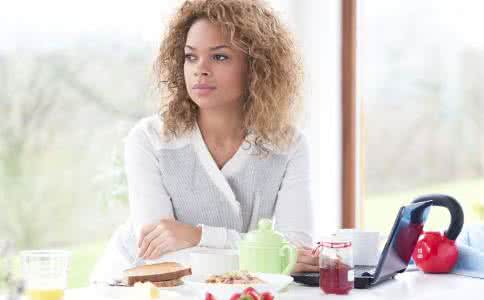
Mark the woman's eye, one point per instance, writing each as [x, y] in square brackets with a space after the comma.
[220, 57]
[189, 57]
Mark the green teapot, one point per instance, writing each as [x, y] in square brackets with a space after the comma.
[265, 250]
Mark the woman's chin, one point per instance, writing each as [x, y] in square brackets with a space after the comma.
[210, 104]
[207, 104]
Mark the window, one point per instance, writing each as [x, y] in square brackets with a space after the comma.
[420, 64]
[75, 77]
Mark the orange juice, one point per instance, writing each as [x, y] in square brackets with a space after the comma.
[45, 294]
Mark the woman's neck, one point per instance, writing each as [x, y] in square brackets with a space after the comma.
[221, 128]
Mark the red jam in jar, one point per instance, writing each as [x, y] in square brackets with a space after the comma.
[336, 275]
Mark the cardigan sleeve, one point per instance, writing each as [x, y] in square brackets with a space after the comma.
[293, 217]
[148, 199]
[219, 237]
[293, 213]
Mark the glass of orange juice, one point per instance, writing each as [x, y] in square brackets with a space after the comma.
[45, 273]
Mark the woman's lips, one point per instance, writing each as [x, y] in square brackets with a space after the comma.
[203, 89]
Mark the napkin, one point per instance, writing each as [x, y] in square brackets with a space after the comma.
[470, 244]
[472, 236]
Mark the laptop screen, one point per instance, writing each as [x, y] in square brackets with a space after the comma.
[402, 240]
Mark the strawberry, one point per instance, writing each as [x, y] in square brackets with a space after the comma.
[266, 296]
[250, 294]
[209, 296]
[249, 289]
[235, 296]
[253, 295]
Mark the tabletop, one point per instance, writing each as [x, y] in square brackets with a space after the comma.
[410, 285]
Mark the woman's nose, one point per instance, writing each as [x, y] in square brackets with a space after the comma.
[202, 73]
[202, 68]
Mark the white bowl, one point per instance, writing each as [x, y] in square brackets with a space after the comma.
[273, 283]
[213, 261]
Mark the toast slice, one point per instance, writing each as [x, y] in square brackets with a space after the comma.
[164, 271]
[168, 283]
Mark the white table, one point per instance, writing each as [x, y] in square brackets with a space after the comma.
[410, 285]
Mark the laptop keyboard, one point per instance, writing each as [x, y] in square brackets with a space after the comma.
[312, 279]
[369, 270]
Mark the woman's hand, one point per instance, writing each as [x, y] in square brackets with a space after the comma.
[166, 236]
[306, 261]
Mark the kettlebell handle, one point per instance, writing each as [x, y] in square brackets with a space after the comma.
[456, 213]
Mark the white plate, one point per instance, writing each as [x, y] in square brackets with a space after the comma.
[272, 283]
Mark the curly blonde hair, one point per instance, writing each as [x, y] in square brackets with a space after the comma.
[273, 104]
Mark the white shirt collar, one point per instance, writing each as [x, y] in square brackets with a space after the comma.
[219, 176]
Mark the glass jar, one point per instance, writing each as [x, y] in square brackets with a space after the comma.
[45, 273]
[336, 270]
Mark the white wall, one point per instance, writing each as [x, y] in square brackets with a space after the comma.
[317, 28]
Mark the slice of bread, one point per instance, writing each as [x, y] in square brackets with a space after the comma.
[168, 283]
[164, 271]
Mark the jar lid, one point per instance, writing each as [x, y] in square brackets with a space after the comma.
[334, 241]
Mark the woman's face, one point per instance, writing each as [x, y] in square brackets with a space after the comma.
[215, 71]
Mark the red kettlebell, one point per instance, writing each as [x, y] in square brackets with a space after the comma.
[434, 252]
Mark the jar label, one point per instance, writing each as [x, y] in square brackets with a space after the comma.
[351, 275]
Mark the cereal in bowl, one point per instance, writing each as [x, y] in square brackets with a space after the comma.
[242, 277]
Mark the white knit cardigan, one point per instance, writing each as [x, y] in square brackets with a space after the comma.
[179, 179]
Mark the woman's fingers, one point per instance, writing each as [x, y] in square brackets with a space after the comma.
[158, 246]
[145, 230]
[156, 253]
[306, 256]
[163, 245]
[309, 260]
[147, 240]
[153, 254]
[152, 248]
[305, 251]
[163, 248]
[306, 261]
[302, 267]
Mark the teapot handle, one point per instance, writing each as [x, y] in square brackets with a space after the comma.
[456, 213]
[291, 253]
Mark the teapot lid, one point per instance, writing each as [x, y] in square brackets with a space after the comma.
[264, 236]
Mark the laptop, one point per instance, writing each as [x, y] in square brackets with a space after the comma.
[396, 254]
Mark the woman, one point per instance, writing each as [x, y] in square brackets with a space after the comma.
[224, 151]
